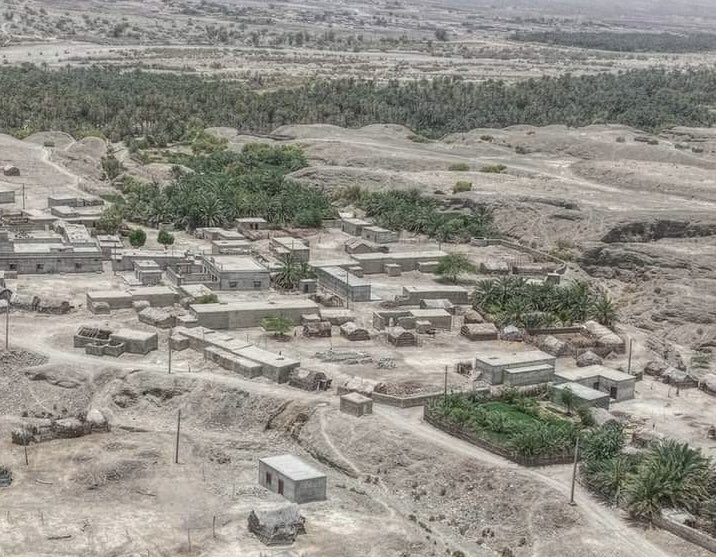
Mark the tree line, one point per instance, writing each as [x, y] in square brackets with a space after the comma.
[221, 187]
[622, 42]
[163, 107]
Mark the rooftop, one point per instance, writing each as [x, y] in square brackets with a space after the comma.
[514, 358]
[292, 467]
[345, 276]
[580, 373]
[231, 263]
[255, 305]
[356, 398]
[582, 392]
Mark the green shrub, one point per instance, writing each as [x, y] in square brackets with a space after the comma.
[137, 238]
[461, 186]
[206, 299]
[493, 168]
[458, 167]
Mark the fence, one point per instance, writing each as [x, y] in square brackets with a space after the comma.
[405, 401]
[692, 535]
[477, 440]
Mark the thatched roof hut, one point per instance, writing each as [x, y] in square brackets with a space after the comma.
[277, 526]
[354, 333]
[473, 317]
[317, 329]
[479, 332]
[400, 337]
[309, 380]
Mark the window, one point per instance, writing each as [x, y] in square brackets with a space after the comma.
[40, 267]
[257, 284]
[13, 267]
[595, 385]
[78, 266]
[233, 284]
[613, 392]
[268, 478]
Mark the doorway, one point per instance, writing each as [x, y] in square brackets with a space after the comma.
[280, 487]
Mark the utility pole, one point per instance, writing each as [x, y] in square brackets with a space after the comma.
[445, 393]
[176, 448]
[574, 472]
[631, 344]
[23, 195]
[171, 330]
[7, 295]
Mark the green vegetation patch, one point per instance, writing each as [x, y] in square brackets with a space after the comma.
[411, 211]
[516, 423]
[224, 186]
[166, 107]
[623, 42]
[513, 300]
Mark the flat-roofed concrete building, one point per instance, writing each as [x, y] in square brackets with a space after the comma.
[619, 386]
[356, 404]
[7, 196]
[229, 272]
[353, 225]
[343, 283]
[252, 224]
[135, 341]
[415, 295]
[374, 263]
[517, 368]
[42, 252]
[222, 316]
[583, 395]
[231, 246]
[283, 247]
[109, 245]
[293, 478]
[148, 272]
[379, 235]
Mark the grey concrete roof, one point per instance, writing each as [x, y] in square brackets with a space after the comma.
[513, 358]
[230, 263]
[582, 392]
[292, 467]
[579, 373]
[356, 398]
[345, 276]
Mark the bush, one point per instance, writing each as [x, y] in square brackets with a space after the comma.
[165, 238]
[137, 238]
[495, 168]
[458, 167]
[206, 299]
[461, 186]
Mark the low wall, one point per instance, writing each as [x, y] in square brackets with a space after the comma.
[405, 401]
[538, 254]
[472, 438]
[686, 532]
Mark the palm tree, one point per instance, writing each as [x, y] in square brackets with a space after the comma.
[291, 273]
[604, 311]
[567, 399]
[671, 475]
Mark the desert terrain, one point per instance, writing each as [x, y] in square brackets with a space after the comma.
[631, 211]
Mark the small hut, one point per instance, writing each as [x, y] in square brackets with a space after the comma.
[400, 337]
[311, 381]
[587, 359]
[479, 332]
[317, 329]
[351, 331]
[553, 346]
[277, 526]
[473, 317]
